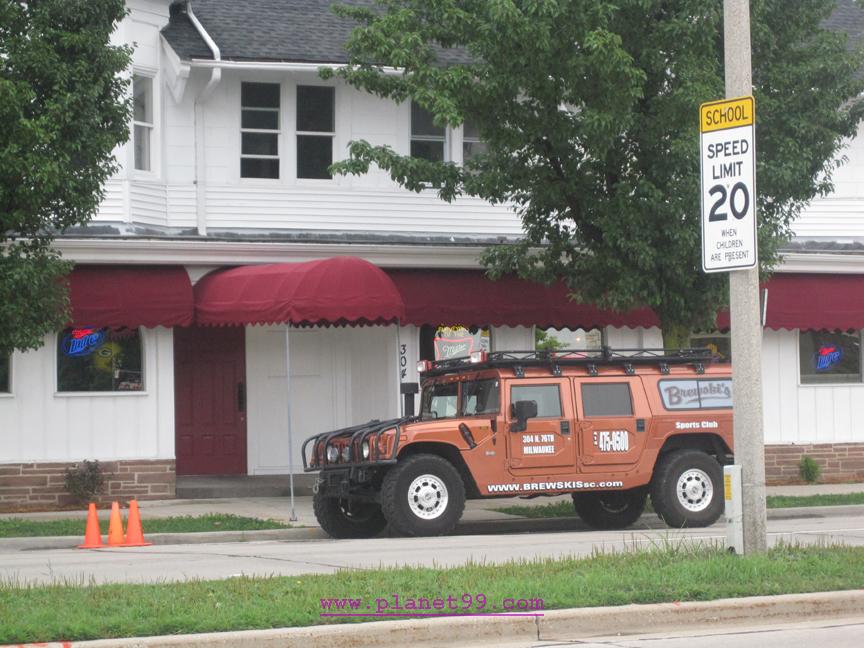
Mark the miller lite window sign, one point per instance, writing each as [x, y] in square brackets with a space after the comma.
[829, 357]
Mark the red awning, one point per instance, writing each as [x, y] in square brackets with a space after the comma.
[469, 298]
[812, 302]
[130, 296]
[341, 290]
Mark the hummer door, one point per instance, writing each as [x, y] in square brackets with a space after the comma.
[613, 419]
[546, 440]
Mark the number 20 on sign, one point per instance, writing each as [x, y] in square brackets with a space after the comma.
[728, 164]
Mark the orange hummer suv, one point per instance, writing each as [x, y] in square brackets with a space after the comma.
[609, 427]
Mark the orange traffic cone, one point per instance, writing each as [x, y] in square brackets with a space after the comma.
[92, 536]
[134, 532]
[115, 526]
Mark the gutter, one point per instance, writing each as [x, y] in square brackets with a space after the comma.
[279, 66]
[200, 100]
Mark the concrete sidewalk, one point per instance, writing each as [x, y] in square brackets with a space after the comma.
[279, 508]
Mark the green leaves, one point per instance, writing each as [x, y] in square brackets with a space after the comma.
[589, 110]
[64, 109]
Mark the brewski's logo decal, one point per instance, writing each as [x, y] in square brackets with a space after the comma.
[827, 356]
[82, 342]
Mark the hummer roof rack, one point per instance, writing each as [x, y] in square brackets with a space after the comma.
[554, 360]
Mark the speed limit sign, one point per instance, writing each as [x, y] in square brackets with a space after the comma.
[728, 164]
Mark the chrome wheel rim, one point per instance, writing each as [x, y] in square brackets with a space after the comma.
[695, 490]
[427, 497]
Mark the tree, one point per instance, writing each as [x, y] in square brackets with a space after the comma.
[63, 109]
[590, 113]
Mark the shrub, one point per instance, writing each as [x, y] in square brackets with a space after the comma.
[809, 469]
[85, 482]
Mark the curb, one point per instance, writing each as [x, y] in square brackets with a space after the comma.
[469, 527]
[555, 625]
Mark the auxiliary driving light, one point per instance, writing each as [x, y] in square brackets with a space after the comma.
[346, 453]
[332, 454]
[364, 448]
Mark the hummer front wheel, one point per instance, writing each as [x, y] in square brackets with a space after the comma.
[341, 518]
[423, 495]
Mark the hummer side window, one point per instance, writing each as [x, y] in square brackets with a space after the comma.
[480, 397]
[607, 399]
[440, 400]
[548, 398]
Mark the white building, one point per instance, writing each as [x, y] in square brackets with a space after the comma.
[233, 132]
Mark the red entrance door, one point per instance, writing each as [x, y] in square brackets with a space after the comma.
[210, 400]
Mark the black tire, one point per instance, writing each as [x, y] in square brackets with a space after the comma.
[704, 497]
[444, 505]
[342, 518]
[610, 509]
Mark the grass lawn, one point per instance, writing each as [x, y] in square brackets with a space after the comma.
[565, 508]
[18, 527]
[676, 572]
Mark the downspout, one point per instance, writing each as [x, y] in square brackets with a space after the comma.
[198, 116]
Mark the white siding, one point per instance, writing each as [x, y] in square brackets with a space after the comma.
[40, 425]
[512, 338]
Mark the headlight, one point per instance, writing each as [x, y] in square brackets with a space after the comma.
[365, 449]
[346, 453]
[332, 454]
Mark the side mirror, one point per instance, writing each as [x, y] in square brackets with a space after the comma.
[522, 411]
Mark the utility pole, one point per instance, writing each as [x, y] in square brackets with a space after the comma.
[745, 314]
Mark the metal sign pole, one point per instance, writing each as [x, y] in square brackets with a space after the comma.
[745, 314]
[293, 517]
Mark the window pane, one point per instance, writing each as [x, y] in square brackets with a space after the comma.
[141, 145]
[5, 382]
[829, 357]
[259, 95]
[433, 151]
[94, 360]
[421, 123]
[480, 397]
[142, 93]
[607, 399]
[315, 109]
[720, 345]
[260, 144]
[262, 119]
[459, 342]
[439, 401]
[314, 155]
[470, 130]
[259, 168]
[548, 398]
[470, 149]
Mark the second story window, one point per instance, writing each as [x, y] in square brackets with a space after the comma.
[259, 130]
[427, 139]
[315, 129]
[142, 118]
[471, 143]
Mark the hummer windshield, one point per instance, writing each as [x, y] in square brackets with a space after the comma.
[443, 400]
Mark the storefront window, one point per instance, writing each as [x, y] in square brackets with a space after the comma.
[719, 343]
[5, 373]
[448, 342]
[554, 339]
[828, 357]
[99, 360]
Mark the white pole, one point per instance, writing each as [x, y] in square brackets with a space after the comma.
[745, 315]
[293, 517]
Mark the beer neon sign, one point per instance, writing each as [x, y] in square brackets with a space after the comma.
[82, 342]
[827, 356]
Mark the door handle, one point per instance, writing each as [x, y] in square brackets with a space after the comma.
[241, 397]
[565, 427]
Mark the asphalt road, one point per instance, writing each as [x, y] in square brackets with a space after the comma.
[837, 633]
[224, 560]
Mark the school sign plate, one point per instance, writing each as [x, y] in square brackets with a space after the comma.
[728, 163]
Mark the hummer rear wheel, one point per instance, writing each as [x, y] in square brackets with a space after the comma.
[341, 518]
[423, 495]
[610, 509]
[687, 489]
